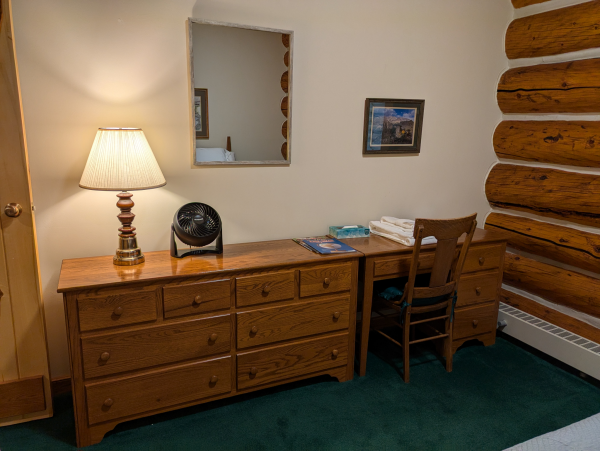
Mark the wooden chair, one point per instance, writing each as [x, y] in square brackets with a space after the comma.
[441, 292]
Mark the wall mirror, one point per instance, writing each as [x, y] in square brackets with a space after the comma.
[241, 91]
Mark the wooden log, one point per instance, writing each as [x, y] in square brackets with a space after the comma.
[548, 192]
[555, 32]
[550, 315]
[284, 129]
[563, 244]
[284, 82]
[286, 59]
[284, 106]
[578, 101]
[555, 76]
[556, 142]
[285, 40]
[284, 150]
[571, 87]
[555, 284]
[522, 3]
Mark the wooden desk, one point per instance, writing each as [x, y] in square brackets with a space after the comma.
[477, 305]
[171, 333]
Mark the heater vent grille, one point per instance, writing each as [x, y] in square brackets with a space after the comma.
[574, 339]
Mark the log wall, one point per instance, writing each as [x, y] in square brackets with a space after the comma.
[562, 191]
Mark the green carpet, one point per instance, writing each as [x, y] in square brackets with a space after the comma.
[495, 397]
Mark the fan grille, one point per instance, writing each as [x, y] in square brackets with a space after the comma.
[185, 219]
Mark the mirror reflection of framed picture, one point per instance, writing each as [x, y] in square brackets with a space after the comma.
[392, 126]
[201, 112]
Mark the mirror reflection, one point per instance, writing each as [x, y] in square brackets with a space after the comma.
[241, 93]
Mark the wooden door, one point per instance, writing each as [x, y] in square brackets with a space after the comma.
[24, 374]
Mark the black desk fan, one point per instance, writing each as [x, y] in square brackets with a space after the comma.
[197, 224]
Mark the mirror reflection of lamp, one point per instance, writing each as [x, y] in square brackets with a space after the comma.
[121, 160]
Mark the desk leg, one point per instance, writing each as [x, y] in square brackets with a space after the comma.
[366, 317]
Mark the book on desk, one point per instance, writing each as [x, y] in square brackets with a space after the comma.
[324, 245]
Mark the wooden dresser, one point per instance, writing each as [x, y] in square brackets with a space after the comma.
[478, 290]
[172, 333]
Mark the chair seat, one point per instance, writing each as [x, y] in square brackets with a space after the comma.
[394, 293]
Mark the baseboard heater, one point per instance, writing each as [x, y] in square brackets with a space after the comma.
[570, 348]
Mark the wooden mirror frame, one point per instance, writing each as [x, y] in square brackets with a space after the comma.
[286, 86]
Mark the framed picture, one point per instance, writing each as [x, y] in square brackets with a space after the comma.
[201, 112]
[392, 126]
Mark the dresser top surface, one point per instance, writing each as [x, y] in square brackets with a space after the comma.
[96, 272]
[377, 245]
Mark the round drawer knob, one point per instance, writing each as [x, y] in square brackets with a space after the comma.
[104, 356]
[335, 352]
[213, 337]
[478, 291]
[475, 322]
[254, 329]
[198, 299]
[266, 289]
[108, 402]
[118, 311]
[214, 379]
[336, 315]
[253, 370]
[481, 261]
[327, 281]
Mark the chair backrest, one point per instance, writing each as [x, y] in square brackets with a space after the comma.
[447, 263]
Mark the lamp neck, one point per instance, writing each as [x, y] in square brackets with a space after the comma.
[126, 217]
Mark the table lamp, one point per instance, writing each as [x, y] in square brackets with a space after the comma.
[121, 160]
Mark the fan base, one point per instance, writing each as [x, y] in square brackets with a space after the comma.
[217, 249]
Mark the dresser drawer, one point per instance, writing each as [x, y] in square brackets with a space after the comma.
[474, 321]
[477, 288]
[253, 290]
[99, 312]
[480, 258]
[325, 279]
[157, 345]
[289, 361]
[269, 325]
[401, 265]
[157, 389]
[196, 298]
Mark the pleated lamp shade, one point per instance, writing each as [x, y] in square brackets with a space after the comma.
[121, 160]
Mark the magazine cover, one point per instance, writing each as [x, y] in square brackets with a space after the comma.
[324, 245]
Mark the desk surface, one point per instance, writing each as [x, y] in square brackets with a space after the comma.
[95, 272]
[378, 245]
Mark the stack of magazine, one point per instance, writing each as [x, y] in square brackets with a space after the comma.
[324, 245]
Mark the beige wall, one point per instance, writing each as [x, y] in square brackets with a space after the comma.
[242, 71]
[87, 64]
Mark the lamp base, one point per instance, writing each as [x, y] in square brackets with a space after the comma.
[128, 253]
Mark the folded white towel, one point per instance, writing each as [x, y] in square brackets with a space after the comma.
[397, 234]
[408, 224]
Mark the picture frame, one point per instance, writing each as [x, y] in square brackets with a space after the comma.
[201, 113]
[393, 126]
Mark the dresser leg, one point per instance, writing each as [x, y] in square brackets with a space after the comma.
[340, 374]
[97, 433]
[365, 323]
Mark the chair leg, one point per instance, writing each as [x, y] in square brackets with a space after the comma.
[448, 345]
[405, 347]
